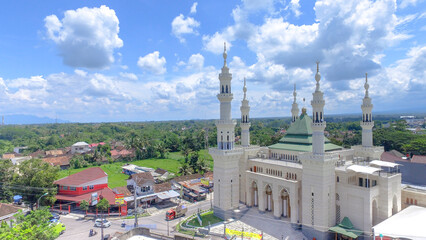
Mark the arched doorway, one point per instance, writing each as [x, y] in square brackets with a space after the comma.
[285, 197]
[269, 204]
[394, 205]
[254, 194]
[374, 213]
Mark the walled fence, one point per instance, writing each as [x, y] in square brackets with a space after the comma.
[140, 231]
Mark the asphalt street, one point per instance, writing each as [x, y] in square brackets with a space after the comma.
[78, 228]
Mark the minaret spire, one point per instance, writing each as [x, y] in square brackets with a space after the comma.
[294, 107]
[366, 86]
[245, 121]
[367, 123]
[244, 89]
[225, 55]
[318, 77]
[318, 123]
[225, 127]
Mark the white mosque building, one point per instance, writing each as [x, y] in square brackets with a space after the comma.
[304, 178]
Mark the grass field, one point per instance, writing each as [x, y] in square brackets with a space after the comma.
[118, 179]
[207, 218]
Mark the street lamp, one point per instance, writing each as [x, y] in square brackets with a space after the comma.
[38, 201]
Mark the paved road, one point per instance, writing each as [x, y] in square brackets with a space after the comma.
[78, 229]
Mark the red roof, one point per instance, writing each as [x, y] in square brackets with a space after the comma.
[418, 159]
[389, 157]
[107, 193]
[80, 178]
[96, 144]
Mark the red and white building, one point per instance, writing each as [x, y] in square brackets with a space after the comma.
[82, 186]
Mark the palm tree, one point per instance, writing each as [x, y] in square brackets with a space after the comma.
[185, 169]
[201, 166]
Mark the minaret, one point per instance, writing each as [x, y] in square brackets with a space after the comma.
[367, 118]
[245, 121]
[225, 156]
[294, 107]
[225, 127]
[318, 175]
[318, 123]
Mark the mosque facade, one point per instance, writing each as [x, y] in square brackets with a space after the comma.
[303, 179]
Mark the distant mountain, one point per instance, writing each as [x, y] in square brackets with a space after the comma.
[29, 119]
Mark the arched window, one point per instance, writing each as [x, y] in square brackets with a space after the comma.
[367, 118]
[316, 117]
[320, 116]
[223, 89]
[226, 88]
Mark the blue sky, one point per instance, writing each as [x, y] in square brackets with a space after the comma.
[98, 61]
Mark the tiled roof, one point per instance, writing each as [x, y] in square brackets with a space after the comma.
[6, 209]
[389, 157]
[63, 160]
[299, 137]
[418, 159]
[187, 177]
[161, 187]
[107, 193]
[82, 177]
[142, 178]
[55, 152]
[122, 190]
[8, 155]
[38, 154]
[160, 171]
[208, 175]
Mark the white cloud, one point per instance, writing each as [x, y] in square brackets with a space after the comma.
[153, 63]
[130, 76]
[196, 62]
[194, 8]
[182, 26]
[214, 43]
[85, 37]
[295, 6]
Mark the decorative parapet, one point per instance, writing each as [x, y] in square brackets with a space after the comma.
[221, 152]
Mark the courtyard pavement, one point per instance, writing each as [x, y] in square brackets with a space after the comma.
[252, 221]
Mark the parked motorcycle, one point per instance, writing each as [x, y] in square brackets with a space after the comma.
[92, 233]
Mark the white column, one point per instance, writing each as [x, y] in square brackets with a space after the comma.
[269, 202]
[285, 207]
[255, 198]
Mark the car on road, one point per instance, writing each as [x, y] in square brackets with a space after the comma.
[98, 223]
[54, 216]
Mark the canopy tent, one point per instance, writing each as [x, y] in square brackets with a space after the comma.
[408, 224]
[346, 228]
[167, 195]
[383, 163]
[363, 169]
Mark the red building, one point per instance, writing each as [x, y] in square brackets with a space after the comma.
[83, 186]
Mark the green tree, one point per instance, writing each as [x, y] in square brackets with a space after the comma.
[34, 178]
[7, 170]
[103, 204]
[35, 225]
[185, 169]
[84, 205]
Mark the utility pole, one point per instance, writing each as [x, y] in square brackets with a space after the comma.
[136, 205]
[168, 232]
[102, 224]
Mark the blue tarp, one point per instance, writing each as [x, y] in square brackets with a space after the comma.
[17, 198]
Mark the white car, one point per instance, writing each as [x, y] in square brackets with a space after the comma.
[106, 223]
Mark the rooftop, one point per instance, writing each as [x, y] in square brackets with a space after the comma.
[299, 137]
[80, 178]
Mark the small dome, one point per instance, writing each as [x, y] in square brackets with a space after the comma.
[317, 77]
